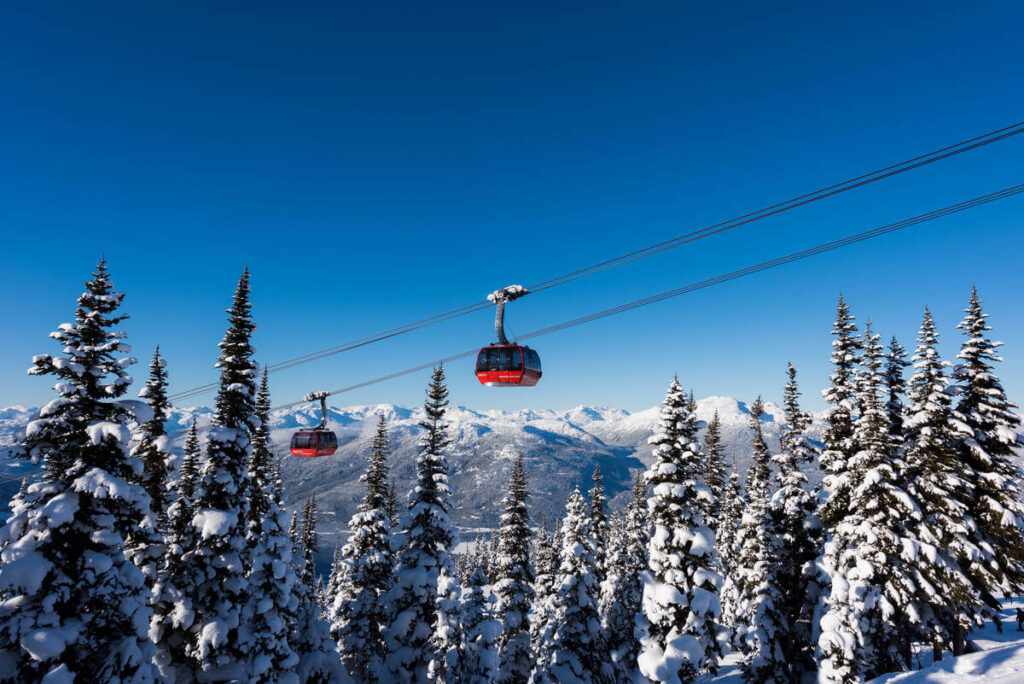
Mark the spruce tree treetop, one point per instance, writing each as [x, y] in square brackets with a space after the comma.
[376, 475]
[91, 370]
[895, 362]
[190, 460]
[714, 470]
[759, 480]
[842, 392]
[151, 449]
[838, 438]
[598, 524]
[261, 461]
[237, 392]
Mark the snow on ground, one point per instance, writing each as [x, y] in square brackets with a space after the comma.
[1001, 660]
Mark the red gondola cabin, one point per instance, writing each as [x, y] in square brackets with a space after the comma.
[508, 366]
[314, 443]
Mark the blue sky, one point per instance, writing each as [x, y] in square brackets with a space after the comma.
[373, 163]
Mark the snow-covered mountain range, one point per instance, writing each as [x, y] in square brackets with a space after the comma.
[560, 448]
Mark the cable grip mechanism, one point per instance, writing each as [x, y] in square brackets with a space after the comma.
[499, 297]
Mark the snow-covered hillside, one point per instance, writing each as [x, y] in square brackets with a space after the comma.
[561, 449]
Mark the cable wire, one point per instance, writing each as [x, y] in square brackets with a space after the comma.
[692, 287]
[777, 208]
[700, 285]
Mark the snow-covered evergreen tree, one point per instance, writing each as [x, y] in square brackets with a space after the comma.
[481, 631]
[359, 616]
[839, 445]
[754, 541]
[393, 508]
[794, 511]
[318, 661]
[221, 506]
[730, 513]
[545, 564]
[933, 476]
[896, 386]
[569, 648]
[424, 542]
[680, 599]
[987, 431]
[145, 544]
[268, 555]
[762, 629]
[598, 523]
[174, 590]
[514, 580]
[152, 449]
[72, 605]
[869, 616]
[448, 640]
[714, 473]
[621, 597]
[334, 581]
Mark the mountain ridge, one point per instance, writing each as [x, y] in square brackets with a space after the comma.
[560, 450]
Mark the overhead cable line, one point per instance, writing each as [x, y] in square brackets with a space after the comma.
[765, 212]
[692, 287]
[700, 285]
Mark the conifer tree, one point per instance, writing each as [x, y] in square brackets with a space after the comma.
[714, 470]
[838, 438]
[680, 599]
[72, 606]
[869, 557]
[754, 536]
[144, 545]
[317, 658]
[764, 629]
[174, 589]
[987, 430]
[394, 510]
[895, 362]
[152, 450]
[598, 523]
[426, 538]
[799, 533]
[448, 640]
[261, 458]
[622, 591]
[569, 649]
[266, 640]
[514, 581]
[222, 505]
[481, 632]
[358, 614]
[545, 563]
[730, 512]
[934, 477]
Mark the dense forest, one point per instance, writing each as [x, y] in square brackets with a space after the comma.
[117, 567]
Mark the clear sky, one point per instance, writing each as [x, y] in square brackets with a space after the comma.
[376, 162]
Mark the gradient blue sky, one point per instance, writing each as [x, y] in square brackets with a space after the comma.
[376, 162]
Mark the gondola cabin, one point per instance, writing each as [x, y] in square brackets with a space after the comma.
[508, 366]
[314, 443]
